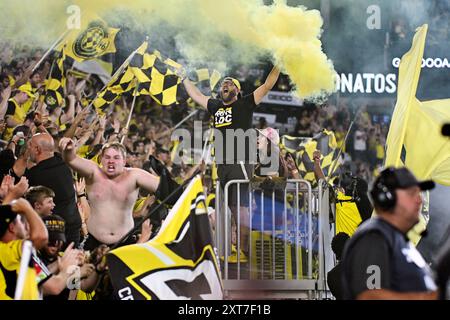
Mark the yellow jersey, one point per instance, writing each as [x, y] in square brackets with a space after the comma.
[10, 256]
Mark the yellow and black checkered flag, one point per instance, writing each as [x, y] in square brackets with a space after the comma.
[54, 89]
[124, 83]
[157, 77]
[292, 144]
[326, 143]
[178, 263]
[206, 80]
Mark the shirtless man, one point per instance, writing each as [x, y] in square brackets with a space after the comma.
[112, 190]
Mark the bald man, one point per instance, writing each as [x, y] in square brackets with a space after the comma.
[52, 172]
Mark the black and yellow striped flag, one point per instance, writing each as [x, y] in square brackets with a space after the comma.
[54, 89]
[180, 262]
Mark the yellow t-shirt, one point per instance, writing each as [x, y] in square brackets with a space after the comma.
[380, 151]
[10, 255]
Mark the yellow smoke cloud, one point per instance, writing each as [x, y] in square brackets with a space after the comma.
[232, 32]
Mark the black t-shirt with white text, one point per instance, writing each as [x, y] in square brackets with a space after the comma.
[227, 119]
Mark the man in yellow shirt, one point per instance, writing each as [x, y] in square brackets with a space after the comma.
[17, 109]
[12, 235]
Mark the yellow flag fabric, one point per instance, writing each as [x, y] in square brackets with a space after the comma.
[179, 263]
[416, 125]
[427, 151]
[95, 40]
[409, 72]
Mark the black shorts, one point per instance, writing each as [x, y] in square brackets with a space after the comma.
[228, 172]
[91, 242]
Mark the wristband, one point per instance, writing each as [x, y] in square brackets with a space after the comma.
[81, 195]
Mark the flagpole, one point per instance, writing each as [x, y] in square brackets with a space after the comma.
[132, 109]
[333, 167]
[115, 75]
[206, 153]
[185, 119]
[140, 223]
[113, 78]
[24, 262]
[61, 37]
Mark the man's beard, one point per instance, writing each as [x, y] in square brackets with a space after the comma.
[229, 98]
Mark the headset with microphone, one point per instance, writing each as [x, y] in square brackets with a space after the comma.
[382, 195]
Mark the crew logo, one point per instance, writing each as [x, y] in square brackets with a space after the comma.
[50, 101]
[223, 117]
[94, 41]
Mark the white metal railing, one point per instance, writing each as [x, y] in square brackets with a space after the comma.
[277, 271]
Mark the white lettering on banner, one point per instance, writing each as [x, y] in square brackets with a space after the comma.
[125, 294]
[429, 63]
[366, 83]
[285, 98]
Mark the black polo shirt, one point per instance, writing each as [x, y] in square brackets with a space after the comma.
[55, 174]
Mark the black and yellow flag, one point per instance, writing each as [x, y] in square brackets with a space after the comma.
[157, 77]
[179, 263]
[292, 144]
[94, 41]
[54, 88]
[123, 83]
[206, 80]
[325, 142]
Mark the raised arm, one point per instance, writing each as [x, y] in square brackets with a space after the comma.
[195, 93]
[264, 89]
[6, 94]
[318, 172]
[84, 167]
[38, 231]
[145, 180]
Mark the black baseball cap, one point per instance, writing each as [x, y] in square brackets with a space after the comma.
[402, 178]
[6, 217]
[56, 227]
